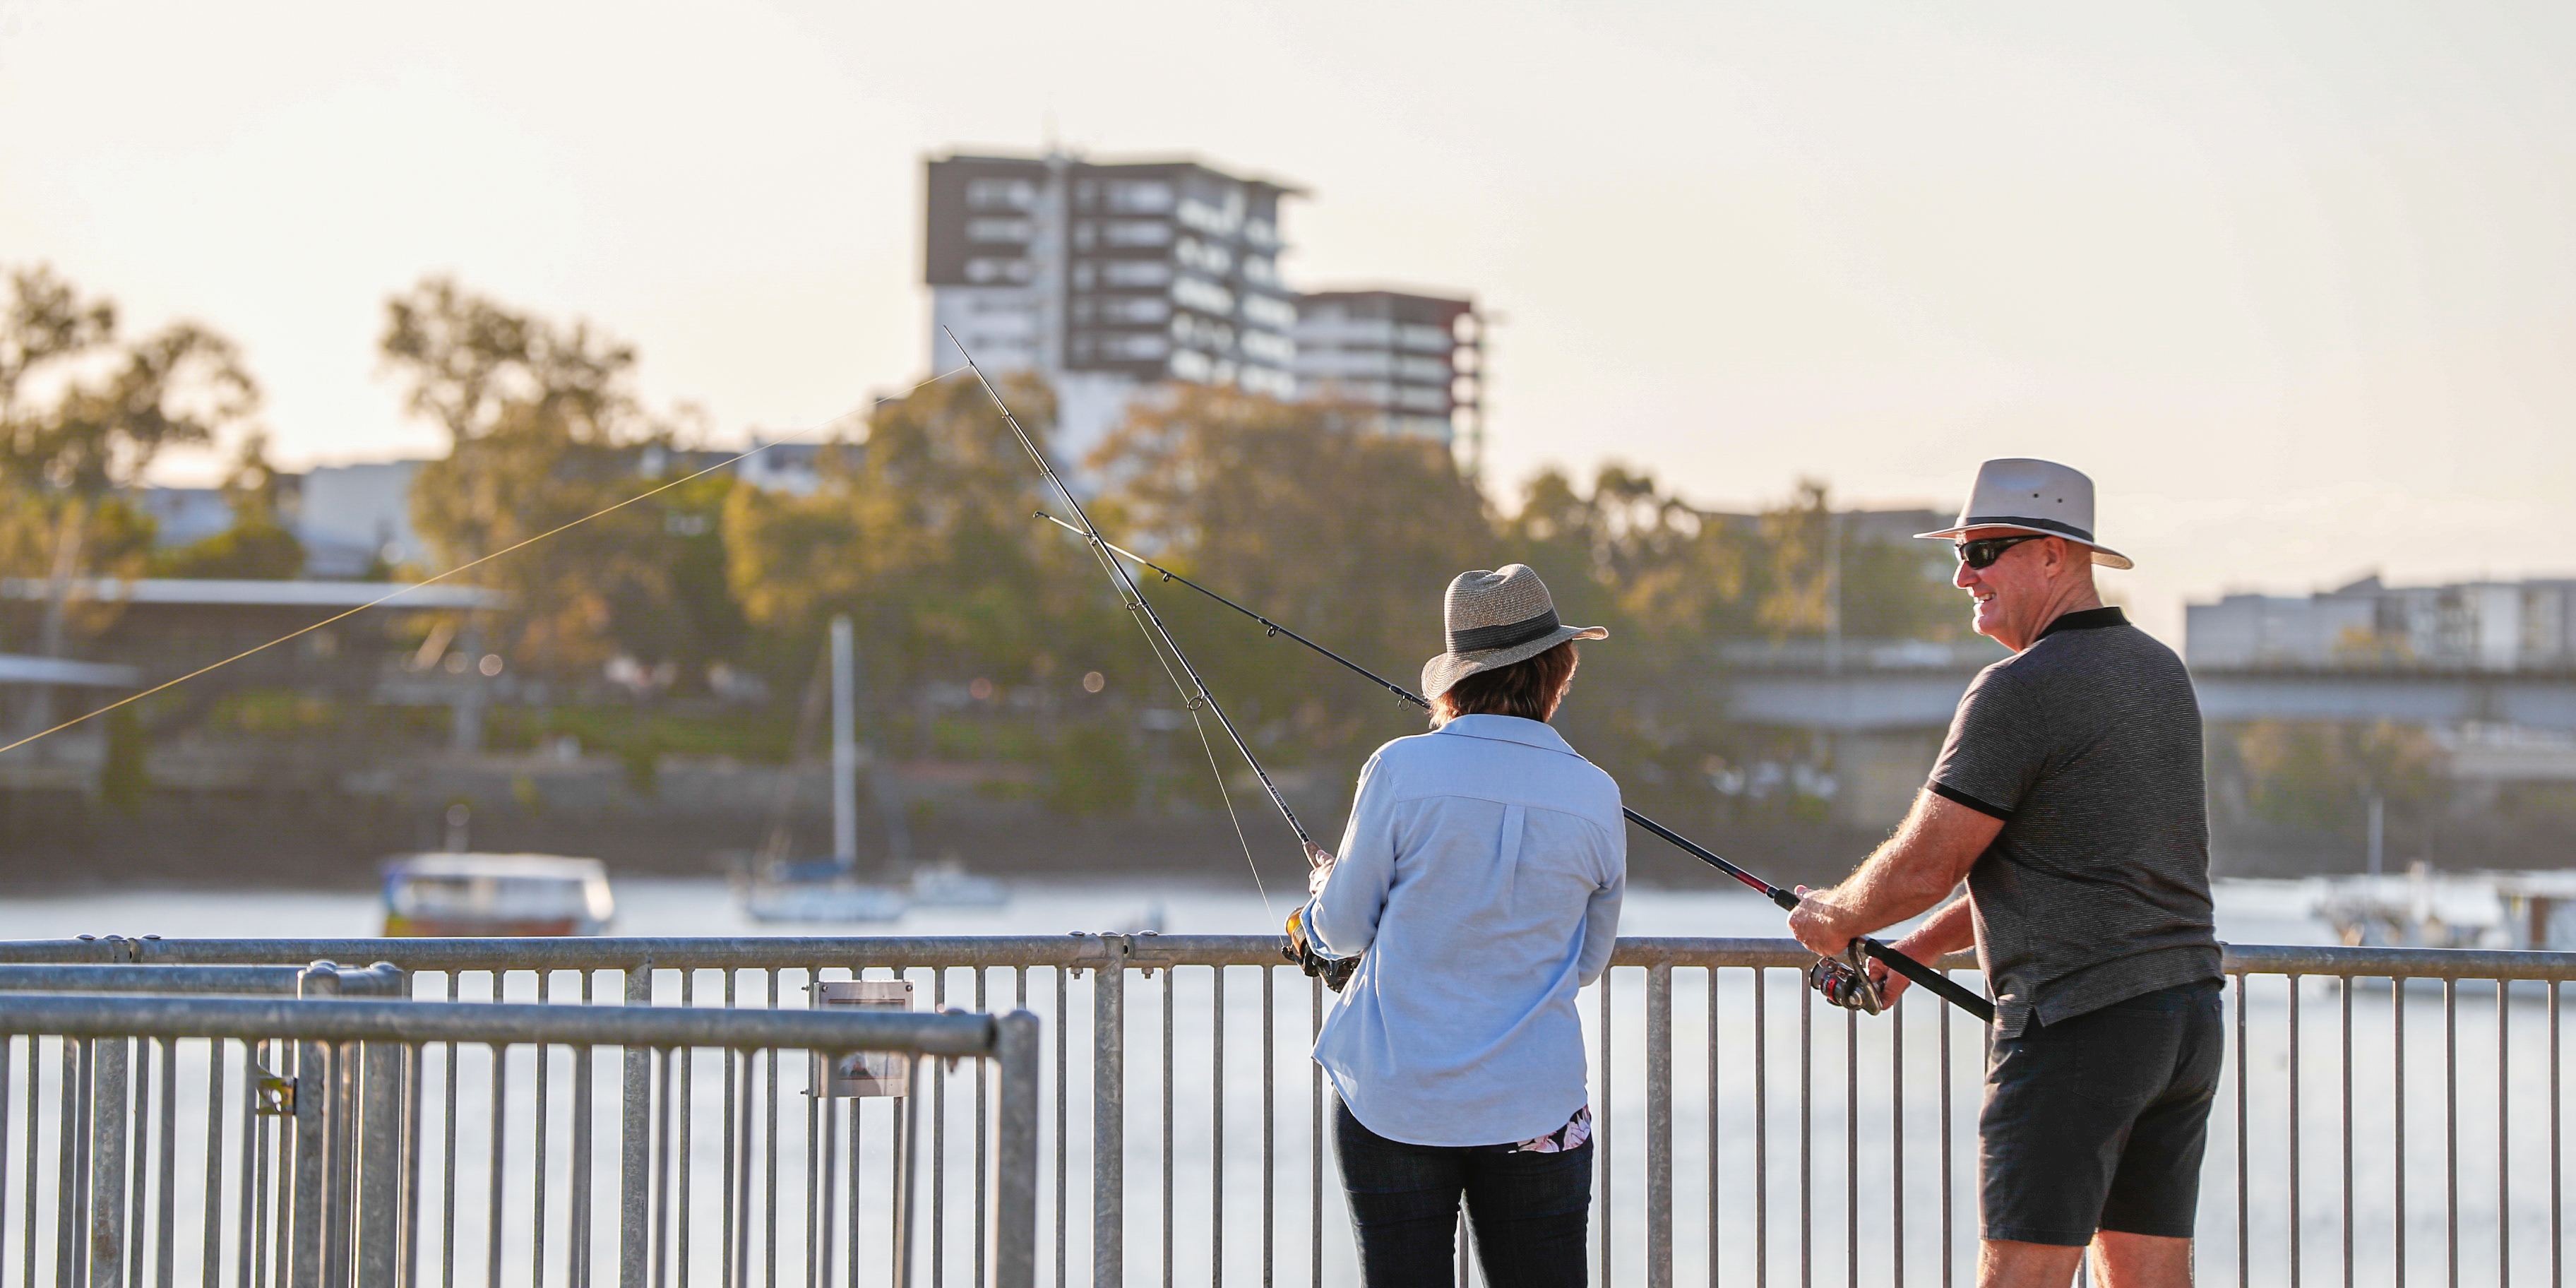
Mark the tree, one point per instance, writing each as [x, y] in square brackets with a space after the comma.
[1313, 516]
[922, 533]
[544, 429]
[2319, 775]
[258, 546]
[82, 414]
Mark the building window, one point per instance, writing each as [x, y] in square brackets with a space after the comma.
[1206, 257]
[1135, 272]
[1200, 333]
[1129, 347]
[1267, 380]
[1138, 196]
[1210, 217]
[1189, 364]
[1267, 346]
[1001, 194]
[999, 270]
[1136, 232]
[1424, 339]
[1204, 295]
[1269, 311]
[998, 230]
[1134, 309]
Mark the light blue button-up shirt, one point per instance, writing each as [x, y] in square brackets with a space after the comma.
[1481, 874]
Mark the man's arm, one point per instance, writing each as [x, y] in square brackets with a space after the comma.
[1915, 869]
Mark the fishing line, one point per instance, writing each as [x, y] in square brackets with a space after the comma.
[463, 567]
[1224, 796]
[1194, 693]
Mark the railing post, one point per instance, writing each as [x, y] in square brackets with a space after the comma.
[310, 1212]
[1109, 1114]
[107, 1122]
[383, 1161]
[383, 1174]
[1659, 1125]
[1015, 1204]
[635, 1145]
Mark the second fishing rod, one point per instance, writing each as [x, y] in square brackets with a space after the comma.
[1950, 990]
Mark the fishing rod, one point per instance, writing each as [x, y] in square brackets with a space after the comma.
[1949, 989]
[1195, 691]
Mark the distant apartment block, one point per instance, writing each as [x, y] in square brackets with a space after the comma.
[2484, 626]
[1416, 360]
[351, 516]
[181, 515]
[1107, 278]
[777, 466]
[347, 516]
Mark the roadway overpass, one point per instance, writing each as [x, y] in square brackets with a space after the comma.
[1908, 687]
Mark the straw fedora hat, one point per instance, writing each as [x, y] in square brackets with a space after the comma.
[1495, 618]
[2032, 496]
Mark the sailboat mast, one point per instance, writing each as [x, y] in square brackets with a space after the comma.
[845, 749]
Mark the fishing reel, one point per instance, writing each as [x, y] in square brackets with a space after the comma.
[1845, 982]
[1300, 951]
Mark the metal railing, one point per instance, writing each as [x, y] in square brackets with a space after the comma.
[324, 1140]
[1746, 1134]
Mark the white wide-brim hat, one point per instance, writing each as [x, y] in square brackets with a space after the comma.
[2045, 497]
[1495, 618]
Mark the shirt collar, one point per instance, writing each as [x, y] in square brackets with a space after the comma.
[1532, 733]
[2089, 619]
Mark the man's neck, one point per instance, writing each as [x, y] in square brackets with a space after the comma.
[2075, 598]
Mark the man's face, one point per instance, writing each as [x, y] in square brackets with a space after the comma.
[2015, 589]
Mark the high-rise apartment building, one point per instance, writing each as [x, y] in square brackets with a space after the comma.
[1415, 359]
[1107, 278]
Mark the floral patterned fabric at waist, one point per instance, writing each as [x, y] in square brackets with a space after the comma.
[1571, 1136]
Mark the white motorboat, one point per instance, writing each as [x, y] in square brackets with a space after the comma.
[476, 895]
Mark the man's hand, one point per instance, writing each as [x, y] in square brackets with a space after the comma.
[1319, 867]
[1817, 923]
[1889, 983]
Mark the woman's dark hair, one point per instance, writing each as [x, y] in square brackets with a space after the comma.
[1528, 688]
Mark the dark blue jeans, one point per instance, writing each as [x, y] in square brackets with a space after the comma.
[1530, 1210]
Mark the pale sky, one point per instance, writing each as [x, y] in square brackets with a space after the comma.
[2294, 281]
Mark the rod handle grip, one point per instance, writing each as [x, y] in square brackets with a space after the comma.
[1949, 989]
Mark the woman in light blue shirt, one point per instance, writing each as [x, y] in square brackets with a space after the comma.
[1479, 884]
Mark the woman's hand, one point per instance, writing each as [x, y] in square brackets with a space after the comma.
[1319, 868]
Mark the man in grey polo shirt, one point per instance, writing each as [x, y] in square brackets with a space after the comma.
[2069, 798]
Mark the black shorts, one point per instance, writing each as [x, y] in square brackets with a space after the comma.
[2098, 1122]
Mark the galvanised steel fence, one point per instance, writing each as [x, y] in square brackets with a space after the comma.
[171, 1132]
[2387, 1116]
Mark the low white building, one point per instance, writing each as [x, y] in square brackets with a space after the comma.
[353, 515]
[2484, 626]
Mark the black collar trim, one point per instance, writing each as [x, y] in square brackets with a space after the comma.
[2089, 619]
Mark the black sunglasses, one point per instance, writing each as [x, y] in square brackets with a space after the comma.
[1984, 551]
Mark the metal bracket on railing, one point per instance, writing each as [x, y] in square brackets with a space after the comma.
[1123, 949]
[330, 979]
[120, 949]
[273, 1096]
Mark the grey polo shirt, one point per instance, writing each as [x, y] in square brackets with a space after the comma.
[2087, 746]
